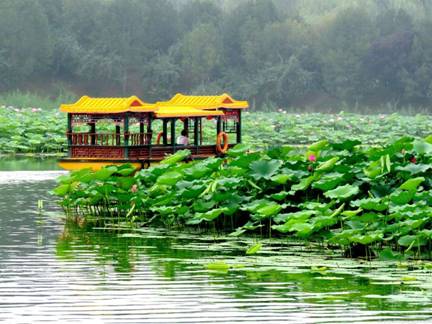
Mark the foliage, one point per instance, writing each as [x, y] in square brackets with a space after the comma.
[31, 130]
[34, 130]
[275, 53]
[335, 198]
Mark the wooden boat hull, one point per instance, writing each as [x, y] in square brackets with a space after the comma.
[72, 164]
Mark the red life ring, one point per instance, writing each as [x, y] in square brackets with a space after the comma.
[222, 136]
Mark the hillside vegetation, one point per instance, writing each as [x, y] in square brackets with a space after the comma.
[277, 54]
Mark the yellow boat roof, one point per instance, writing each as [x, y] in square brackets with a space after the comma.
[205, 102]
[184, 111]
[90, 105]
[179, 106]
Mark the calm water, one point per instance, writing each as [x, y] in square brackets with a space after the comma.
[52, 272]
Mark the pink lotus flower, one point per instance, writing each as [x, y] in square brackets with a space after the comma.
[35, 110]
[312, 158]
[134, 188]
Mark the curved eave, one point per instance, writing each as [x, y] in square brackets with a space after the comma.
[75, 110]
[88, 105]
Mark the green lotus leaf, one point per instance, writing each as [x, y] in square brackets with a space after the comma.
[367, 238]
[324, 221]
[328, 181]
[62, 190]
[318, 146]
[238, 150]
[412, 184]
[407, 240]
[304, 184]
[126, 169]
[401, 197]
[374, 169]
[282, 178]
[302, 229]
[351, 213]
[197, 171]
[376, 204]
[300, 216]
[244, 161]
[279, 152]
[105, 173]
[176, 157]
[254, 249]
[389, 255]
[346, 145]
[279, 196]
[264, 169]
[342, 192]
[169, 178]
[125, 183]
[201, 206]
[267, 211]
[211, 214]
[327, 165]
[422, 147]
[415, 168]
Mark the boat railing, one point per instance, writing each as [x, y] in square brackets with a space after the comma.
[109, 139]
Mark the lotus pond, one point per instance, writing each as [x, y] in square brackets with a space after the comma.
[57, 271]
[369, 202]
[36, 130]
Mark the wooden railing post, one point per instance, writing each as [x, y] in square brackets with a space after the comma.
[126, 136]
[69, 134]
[239, 127]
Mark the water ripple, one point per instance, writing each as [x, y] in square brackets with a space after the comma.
[52, 272]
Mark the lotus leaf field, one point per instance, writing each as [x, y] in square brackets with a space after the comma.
[35, 130]
[364, 200]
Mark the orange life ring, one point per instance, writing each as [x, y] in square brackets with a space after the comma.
[158, 138]
[222, 136]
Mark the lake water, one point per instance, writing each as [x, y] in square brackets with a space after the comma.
[51, 271]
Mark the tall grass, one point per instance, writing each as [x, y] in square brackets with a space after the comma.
[21, 99]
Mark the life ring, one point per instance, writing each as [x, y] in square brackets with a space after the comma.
[158, 138]
[222, 136]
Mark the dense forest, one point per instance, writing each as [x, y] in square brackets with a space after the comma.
[276, 53]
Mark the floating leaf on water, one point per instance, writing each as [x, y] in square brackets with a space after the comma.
[254, 249]
[317, 269]
[131, 235]
[218, 266]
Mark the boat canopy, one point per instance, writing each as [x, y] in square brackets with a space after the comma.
[88, 105]
[179, 106]
[205, 102]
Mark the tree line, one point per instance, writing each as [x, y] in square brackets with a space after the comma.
[276, 53]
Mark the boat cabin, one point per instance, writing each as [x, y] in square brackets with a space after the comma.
[107, 131]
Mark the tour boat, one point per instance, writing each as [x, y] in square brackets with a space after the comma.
[113, 131]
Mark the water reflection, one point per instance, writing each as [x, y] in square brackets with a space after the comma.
[294, 274]
[52, 271]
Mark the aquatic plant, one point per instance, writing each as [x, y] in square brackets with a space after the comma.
[41, 130]
[349, 196]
